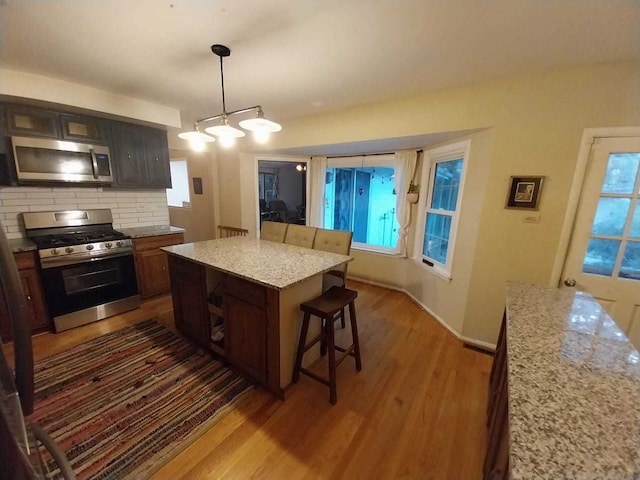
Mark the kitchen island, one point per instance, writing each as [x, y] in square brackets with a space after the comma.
[564, 391]
[240, 298]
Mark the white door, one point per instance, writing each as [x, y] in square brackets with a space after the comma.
[604, 253]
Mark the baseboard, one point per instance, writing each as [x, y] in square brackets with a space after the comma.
[471, 341]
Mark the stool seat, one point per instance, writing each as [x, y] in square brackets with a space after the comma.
[330, 302]
[326, 306]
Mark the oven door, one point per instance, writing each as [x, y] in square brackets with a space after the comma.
[90, 286]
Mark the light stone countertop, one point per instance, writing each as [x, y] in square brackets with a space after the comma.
[275, 265]
[139, 232]
[574, 388]
[21, 245]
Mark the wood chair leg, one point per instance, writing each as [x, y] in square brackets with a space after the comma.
[301, 346]
[333, 396]
[354, 335]
[342, 318]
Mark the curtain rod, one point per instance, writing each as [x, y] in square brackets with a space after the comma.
[367, 154]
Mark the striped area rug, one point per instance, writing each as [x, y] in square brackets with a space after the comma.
[122, 405]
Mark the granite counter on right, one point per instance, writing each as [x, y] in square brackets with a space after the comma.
[564, 392]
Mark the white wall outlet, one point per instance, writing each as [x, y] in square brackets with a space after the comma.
[531, 218]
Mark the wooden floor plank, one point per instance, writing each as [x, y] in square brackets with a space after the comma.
[415, 411]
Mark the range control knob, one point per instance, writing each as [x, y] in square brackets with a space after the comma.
[108, 244]
[89, 247]
[55, 251]
[69, 249]
[118, 243]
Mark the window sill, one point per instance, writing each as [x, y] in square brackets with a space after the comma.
[438, 272]
[389, 252]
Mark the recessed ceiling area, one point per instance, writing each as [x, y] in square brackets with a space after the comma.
[301, 57]
[385, 145]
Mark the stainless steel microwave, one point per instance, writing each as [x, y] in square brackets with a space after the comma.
[49, 160]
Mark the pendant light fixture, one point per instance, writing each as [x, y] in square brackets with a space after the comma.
[260, 126]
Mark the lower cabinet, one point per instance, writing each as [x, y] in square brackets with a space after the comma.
[245, 323]
[189, 293]
[38, 315]
[496, 462]
[152, 267]
[249, 315]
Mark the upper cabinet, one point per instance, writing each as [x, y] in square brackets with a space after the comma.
[84, 129]
[139, 154]
[31, 121]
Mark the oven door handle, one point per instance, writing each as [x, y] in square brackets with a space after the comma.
[52, 262]
[94, 163]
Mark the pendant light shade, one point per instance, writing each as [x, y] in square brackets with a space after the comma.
[196, 136]
[260, 126]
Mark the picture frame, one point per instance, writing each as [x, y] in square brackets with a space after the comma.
[524, 192]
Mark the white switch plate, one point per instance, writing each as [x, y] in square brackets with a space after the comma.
[531, 219]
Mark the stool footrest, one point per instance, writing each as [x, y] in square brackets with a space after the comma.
[345, 353]
[315, 377]
[312, 343]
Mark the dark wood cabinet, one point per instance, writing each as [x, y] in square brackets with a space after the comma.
[31, 122]
[83, 129]
[245, 324]
[127, 155]
[152, 266]
[38, 315]
[496, 462]
[156, 153]
[140, 156]
[189, 293]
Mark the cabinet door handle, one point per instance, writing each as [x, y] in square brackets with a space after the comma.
[29, 297]
[129, 155]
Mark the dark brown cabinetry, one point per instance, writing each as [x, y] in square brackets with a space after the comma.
[189, 292]
[83, 129]
[31, 121]
[141, 156]
[245, 323]
[36, 306]
[496, 462]
[152, 266]
[249, 314]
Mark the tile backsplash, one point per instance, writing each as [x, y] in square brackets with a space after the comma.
[130, 208]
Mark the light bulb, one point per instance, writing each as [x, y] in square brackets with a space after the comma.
[197, 145]
[227, 141]
[261, 136]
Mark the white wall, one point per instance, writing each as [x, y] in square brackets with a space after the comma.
[533, 127]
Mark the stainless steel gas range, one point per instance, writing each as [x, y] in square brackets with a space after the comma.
[88, 271]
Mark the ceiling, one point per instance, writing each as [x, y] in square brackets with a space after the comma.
[299, 57]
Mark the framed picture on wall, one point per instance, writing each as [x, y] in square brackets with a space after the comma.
[524, 192]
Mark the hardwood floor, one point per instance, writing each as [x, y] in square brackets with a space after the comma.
[415, 411]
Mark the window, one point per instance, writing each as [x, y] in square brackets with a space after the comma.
[614, 242]
[359, 197]
[435, 236]
[178, 194]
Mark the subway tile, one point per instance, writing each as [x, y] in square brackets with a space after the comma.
[27, 201]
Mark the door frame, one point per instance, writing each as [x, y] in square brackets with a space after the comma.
[263, 157]
[589, 136]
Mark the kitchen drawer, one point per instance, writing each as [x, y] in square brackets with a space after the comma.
[25, 260]
[248, 291]
[148, 243]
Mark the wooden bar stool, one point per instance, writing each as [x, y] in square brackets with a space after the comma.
[326, 306]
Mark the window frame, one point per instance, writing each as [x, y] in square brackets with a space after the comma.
[433, 157]
[383, 160]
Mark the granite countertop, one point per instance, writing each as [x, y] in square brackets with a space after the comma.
[21, 245]
[275, 265]
[574, 388]
[139, 232]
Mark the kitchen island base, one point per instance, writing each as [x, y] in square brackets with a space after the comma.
[261, 325]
